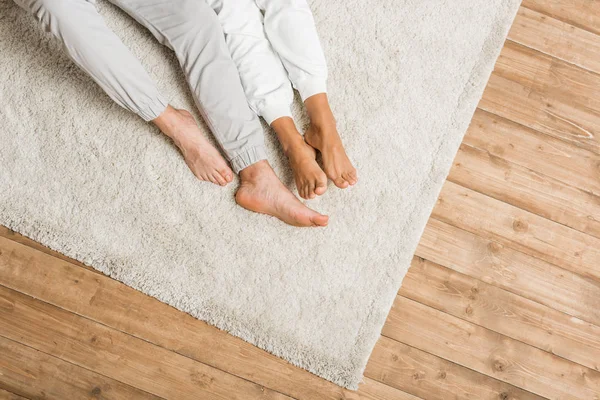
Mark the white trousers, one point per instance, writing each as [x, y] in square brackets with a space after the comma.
[272, 49]
[189, 27]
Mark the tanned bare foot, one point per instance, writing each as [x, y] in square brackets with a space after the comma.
[310, 178]
[323, 136]
[202, 158]
[261, 191]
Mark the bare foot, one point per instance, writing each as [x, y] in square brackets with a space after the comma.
[261, 191]
[323, 136]
[310, 178]
[202, 158]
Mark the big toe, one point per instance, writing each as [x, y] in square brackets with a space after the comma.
[321, 188]
[304, 216]
[321, 185]
[319, 220]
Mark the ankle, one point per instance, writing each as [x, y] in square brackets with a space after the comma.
[166, 118]
[253, 172]
[288, 135]
[168, 121]
[294, 146]
[319, 111]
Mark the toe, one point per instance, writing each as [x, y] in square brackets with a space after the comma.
[227, 174]
[212, 177]
[204, 177]
[219, 178]
[300, 188]
[320, 189]
[320, 220]
[341, 183]
[311, 190]
[321, 186]
[348, 178]
[307, 191]
[353, 177]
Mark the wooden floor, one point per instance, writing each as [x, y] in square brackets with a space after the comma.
[502, 300]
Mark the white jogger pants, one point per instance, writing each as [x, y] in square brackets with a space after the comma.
[189, 27]
[273, 49]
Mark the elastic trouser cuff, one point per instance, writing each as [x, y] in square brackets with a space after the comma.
[272, 112]
[247, 158]
[153, 109]
[311, 86]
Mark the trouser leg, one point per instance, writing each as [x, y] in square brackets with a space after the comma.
[263, 76]
[290, 27]
[191, 28]
[100, 53]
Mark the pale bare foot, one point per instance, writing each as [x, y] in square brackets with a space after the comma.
[261, 191]
[310, 178]
[201, 157]
[323, 136]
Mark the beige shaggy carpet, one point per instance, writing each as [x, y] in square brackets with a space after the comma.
[87, 178]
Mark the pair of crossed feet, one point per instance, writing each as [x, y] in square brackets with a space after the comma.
[260, 189]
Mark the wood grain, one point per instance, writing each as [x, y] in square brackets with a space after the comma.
[536, 151]
[5, 395]
[489, 352]
[519, 229]
[584, 14]
[27, 372]
[17, 237]
[526, 189]
[99, 348]
[503, 312]
[556, 38]
[492, 262]
[545, 94]
[373, 390]
[114, 304]
[434, 378]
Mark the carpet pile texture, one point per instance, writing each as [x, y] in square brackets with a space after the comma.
[87, 178]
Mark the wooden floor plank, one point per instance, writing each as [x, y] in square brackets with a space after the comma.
[491, 262]
[112, 303]
[6, 395]
[36, 375]
[373, 390]
[111, 353]
[546, 94]
[526, 189]
[434, 378]
[584, 14]
[16, 237]
[539, 152]
[489, 352]
[519, 229]
[556, 38]
[501, 311]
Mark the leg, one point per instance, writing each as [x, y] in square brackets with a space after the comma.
[192, 30]
[290, 27]
[99, 52]
[268, 88]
